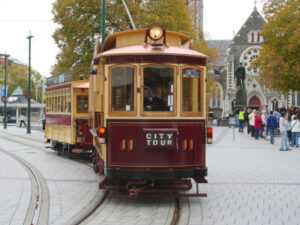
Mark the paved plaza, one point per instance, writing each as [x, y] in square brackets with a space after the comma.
[249, 182]
[71, 185]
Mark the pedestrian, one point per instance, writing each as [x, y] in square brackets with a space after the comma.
[295, 131]
[289, 129]
[263, 120]
[247, 120]
[236, 112]
[22, 119]
[282, 109]
[242, 120]
[257, 124]
[271, 126]
[44, 120]
[251, 122]
[283, 132]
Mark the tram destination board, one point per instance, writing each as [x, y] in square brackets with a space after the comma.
[59, 79]
[161, 140]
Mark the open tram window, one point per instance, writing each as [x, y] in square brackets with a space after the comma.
[191, 90]
[122, 89]
[82, 104]
[158, 89]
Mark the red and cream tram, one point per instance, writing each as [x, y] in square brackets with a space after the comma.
[147, 107]
[67, 115]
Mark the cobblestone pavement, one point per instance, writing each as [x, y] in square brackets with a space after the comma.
[72, 185]
[250, 182]
[15, 191]
[134, 212]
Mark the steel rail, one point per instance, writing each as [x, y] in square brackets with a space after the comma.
[38, 209]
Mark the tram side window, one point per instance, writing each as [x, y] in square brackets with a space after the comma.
[158, 89]
[55, 104]
[65, 104]
[82, 104]
[61, 103]
[191, 91]
[122, 82]
[69, 103]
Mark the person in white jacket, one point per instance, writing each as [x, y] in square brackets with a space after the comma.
[295, 131]
[251, 118]
[283, 132]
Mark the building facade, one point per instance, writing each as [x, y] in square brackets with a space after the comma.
[196, 7]
[243, 49]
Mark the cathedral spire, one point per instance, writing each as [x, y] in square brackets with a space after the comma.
[255, 4]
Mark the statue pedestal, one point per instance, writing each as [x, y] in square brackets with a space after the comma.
[241, 98]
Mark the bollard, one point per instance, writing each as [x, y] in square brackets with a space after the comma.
[233, 134]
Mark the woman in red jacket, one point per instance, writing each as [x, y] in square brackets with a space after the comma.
[257, 124]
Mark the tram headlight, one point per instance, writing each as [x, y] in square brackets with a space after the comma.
[156, 32]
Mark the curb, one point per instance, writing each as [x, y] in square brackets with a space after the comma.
[88, 209]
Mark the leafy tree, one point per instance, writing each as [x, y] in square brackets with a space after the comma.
[80, 24]
[17, 76]
[279, 59]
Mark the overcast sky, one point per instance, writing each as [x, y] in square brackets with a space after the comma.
[19, 17]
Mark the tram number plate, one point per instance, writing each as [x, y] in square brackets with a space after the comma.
[159, 139]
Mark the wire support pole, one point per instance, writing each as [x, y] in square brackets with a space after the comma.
[5, 90]
[29, 79]
[129, 15]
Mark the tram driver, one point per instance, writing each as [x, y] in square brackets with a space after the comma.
[151, 101]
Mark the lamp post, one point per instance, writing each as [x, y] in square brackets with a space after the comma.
[29, 76]
[5, 89]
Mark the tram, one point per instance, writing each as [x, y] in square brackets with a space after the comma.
[147, 108]
[67, 115]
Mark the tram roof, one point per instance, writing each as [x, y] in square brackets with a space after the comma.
[150, 50]
[111, 40]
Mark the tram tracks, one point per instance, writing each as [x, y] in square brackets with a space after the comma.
[179, 209]
[38, 209]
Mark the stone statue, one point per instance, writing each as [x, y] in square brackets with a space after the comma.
[241, 95]
[240, 74]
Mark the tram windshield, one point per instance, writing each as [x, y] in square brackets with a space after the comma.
[158, 88]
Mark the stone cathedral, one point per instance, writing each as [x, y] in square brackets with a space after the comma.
[243, 48]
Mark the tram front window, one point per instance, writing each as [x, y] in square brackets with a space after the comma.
[122, 81]
[158, 89]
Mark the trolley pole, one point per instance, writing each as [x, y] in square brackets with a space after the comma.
[29, 78]
[103, 24]
[5, 90]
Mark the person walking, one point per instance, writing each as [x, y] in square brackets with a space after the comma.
[295, 131]
[247, 119]
[289, 128]
[271, 126]
[236, 112]
[283, 132]
[263, 120]
[257, 124]
[22, 119]
[242, 120]
[44, 120]
[251, 122]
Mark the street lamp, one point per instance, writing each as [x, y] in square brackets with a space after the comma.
[29, 75]
[5, 89]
